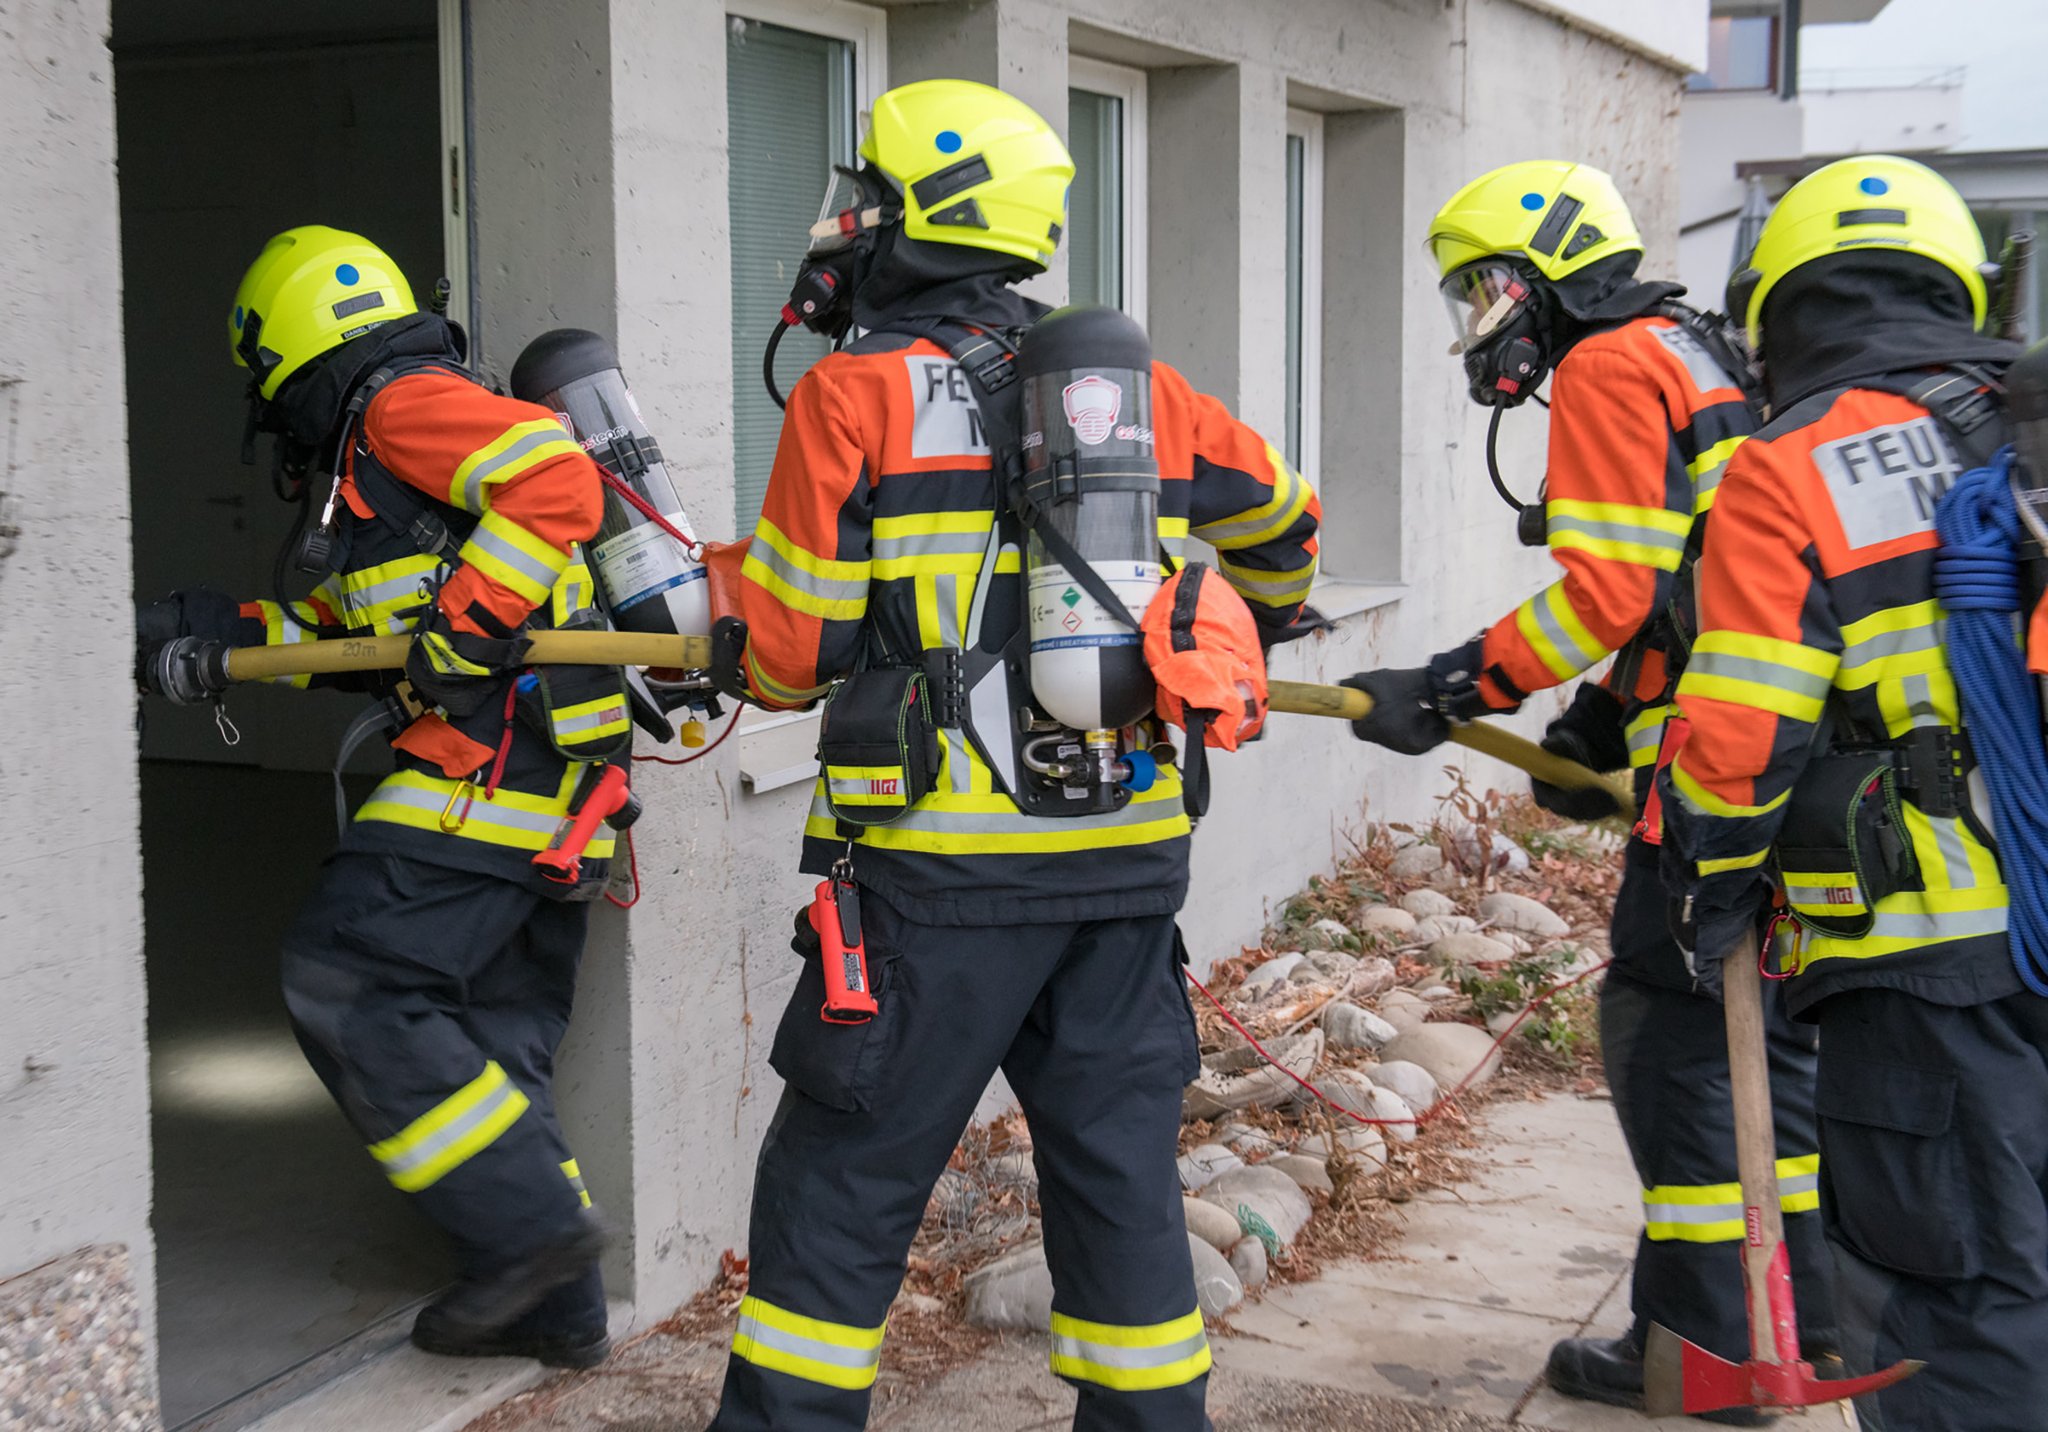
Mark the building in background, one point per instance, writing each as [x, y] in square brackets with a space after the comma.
[1254, 183]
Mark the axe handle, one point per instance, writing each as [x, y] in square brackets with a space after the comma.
[1756, 1159]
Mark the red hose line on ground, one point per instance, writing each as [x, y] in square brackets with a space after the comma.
[1419, 1119]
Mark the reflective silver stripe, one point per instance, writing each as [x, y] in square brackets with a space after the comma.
[954, 823]
[1818, 895]
[1894, 643]
[541, 574]
[571, 725]
[1764, 673]
[1563, 642]
[473, 485]
[829, 589]
[435, 1144]
[1616, 532]
[1943, 925]
[1707, 481]
[1692, 1212]
[1955, 852]
[1286, 492]
[1118, 1356]
[754, 1329]
[481, 812]
[1290, 587]
[411, 583]
[930, 544]
[959, 760]
[1792, 1185]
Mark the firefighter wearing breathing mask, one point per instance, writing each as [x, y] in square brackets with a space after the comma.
[1648, 400]
[430, 974]
[1000, 935]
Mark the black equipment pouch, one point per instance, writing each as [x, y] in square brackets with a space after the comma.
[1844, 845]
[581, 711]
[877, 745]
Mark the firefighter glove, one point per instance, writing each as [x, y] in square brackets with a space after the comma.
[186, 670]
[200, 612]
[728, 648]
[1404, 715]
[1590, 733]
[459, 671]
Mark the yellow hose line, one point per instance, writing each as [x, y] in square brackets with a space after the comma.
[620, 648]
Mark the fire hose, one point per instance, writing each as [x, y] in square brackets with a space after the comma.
[693, 653]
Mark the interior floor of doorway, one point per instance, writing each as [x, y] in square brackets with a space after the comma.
[276, 1237]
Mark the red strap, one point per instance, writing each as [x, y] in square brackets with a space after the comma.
[645, 508]
[1650, 829]
[504, 742]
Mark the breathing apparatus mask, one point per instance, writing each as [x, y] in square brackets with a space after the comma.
[858, 205]
[1498, 316]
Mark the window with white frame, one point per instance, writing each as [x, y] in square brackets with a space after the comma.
[798, 75]
[1105, 238]
[1304, 317]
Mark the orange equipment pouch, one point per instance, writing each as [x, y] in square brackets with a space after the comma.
[1203, 648]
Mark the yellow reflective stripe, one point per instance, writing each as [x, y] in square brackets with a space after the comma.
[1273, 589]
[835, 1354]
[989, 823]
[1705, 472]
[1646, 734]
[591, 720]
[1735, 862]
[1892, 644]
[513, 557]
[1291, 494]
[1130, 1359]
[803, 581]
[1769, 650]
[574, 1173]
[519, 448]
[516, 819]
[1912, 920]
[1556, 634]
[452, 1132]
[1699, 798]
[1619, 532]
[1713, 1212]
[1636, 554]
[1173, 534]
[374, 598]
[775, 690]
[1626, 514]
[1765, 673]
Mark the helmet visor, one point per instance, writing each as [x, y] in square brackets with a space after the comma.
[1482, 299]
[854, 204]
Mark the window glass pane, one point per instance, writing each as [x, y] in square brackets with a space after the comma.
[1095, 205]
[789, 105]
[1741, 54]
[1297, 199]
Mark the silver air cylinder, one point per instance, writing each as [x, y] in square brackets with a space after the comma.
[651, 583]
[1089, 469]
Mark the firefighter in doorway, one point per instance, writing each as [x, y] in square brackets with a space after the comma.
[997, 938]
[1538, 264]
[1825, 674]
[429, 977]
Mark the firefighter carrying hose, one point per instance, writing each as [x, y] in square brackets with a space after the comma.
[1539, 271]
[997, 937]
[1827, 754]
[430, 975]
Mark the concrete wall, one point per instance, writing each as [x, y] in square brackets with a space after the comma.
[1889, 119]
[665, 1080]
[73, 1093]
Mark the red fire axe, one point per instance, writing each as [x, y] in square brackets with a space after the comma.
[1679, 1378]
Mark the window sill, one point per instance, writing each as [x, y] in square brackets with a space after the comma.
[777, 750]
[1339, 597]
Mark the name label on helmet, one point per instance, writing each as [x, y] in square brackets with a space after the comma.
[945, 421]
[1887, 480]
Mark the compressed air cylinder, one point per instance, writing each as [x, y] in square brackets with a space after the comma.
[651, 582]
[1089, 469]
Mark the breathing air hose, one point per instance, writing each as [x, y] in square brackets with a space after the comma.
[1977, 579]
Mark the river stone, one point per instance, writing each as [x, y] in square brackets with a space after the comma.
[1217, 1286]
[1415, 861]
[1271, 972]
[1203, 1163]
[1404, 1009]
[1212, 1225]
[1308, 1172]
[1424, 903]
[1435, 927]
[1449, 1053]
[1261, 1194]
[1469, 948]
[1248, 1261]
[1383, 920]
[1371, 975]
[1331, 934]
[1015, 1291]
[1238, 1078]
[1400, 1125]
[1415, 1084]
[1521, 914]
[1331, 964]
[1363, 1142]
[1348, 1027]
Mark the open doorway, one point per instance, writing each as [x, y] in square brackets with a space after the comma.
[281, 1254]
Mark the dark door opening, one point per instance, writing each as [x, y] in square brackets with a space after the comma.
[278, 1244]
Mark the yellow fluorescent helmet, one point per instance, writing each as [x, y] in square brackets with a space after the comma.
[1559, 216]
[311, 289]
[976, 167]
[1874, 201]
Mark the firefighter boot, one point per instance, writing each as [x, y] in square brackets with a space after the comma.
[1610, 1370]
[556, 1332]
[480, 1316]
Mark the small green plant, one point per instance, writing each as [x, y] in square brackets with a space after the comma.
[1564, 1024]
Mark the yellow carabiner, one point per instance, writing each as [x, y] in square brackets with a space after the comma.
[466, 793]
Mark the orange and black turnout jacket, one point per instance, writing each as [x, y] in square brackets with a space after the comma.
[1816, 603]
[1642, 423]
[876, 521]
[517, 496]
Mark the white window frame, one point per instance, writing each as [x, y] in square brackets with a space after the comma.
[452, 48]
[1308, 127]
[1120, 82]
[866, 28]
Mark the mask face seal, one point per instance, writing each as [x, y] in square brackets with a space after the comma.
[858, 205]
[1496, 317]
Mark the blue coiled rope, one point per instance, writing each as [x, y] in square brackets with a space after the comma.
[1977, 579]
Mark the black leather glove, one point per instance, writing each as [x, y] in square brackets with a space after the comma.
[458, 671]
[1590, 733]
[728, 646]
[1404, 716]
[201, 612]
